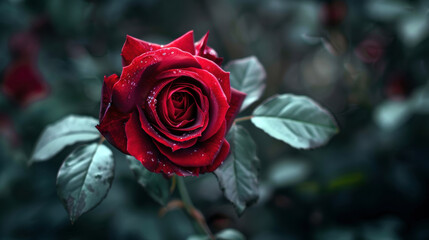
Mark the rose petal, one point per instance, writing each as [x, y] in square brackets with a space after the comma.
[217, 99]
[159, 137]
[222, 155]
[185, 42]
[221, 76]
[201, 49]
[106, 93]
[200, 155]
[140, 144]
[237, 99]
[137, 78]
[142, 148]
[154, 115]
[134, 47]
[112, 127]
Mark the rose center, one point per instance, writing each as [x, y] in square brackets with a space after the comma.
[183, 106]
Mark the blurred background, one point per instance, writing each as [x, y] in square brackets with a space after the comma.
[365, 61]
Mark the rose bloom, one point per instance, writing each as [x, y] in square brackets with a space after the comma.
[171, 107]
[22, 81]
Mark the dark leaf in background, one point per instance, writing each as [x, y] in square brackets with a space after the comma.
[288, 172]
[238, 175]
[394, 113]
[247, 75]
[227, 234]
[296, 120]
[85, 178]
[154, 183]
[65, 132]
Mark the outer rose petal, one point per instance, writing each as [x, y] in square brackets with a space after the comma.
[142, 148]
[112, 127]
[106, 93]
[237, 99]
[201, 49]
[185, 42]
[140, 145]
[134, 47]
[222, 155]
[138, 78]
[200, 155]
[219, 73]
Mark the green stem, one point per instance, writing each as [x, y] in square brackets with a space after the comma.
[242, 119]
[190, 209]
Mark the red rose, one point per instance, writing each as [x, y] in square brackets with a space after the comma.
[23, 82]
[171, 107]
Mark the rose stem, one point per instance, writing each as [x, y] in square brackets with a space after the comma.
[190, 209]
[242, 119]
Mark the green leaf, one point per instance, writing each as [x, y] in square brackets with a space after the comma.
[84, 178]
[392, 113]
[238, 175]
[154, 183]
[295, 120]
[230, 234]
[247, 75]
[65, 132]
[419, 101]
[227, 234]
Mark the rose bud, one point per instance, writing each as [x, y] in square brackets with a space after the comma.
[371, 49]
[333, 13]
[23, 83]
[171, 107]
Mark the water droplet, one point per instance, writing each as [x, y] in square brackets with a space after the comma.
[163, 54]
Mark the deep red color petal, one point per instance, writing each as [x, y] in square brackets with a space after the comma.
[221, 76]
[140, 144]
[138, 78]
[185, 43]
[106, 93]
[134, 47]
[201, 49]
[237, 99]
[112, 127]
[222, 155]
[200, 155]
[159, 137]
[217, 99]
